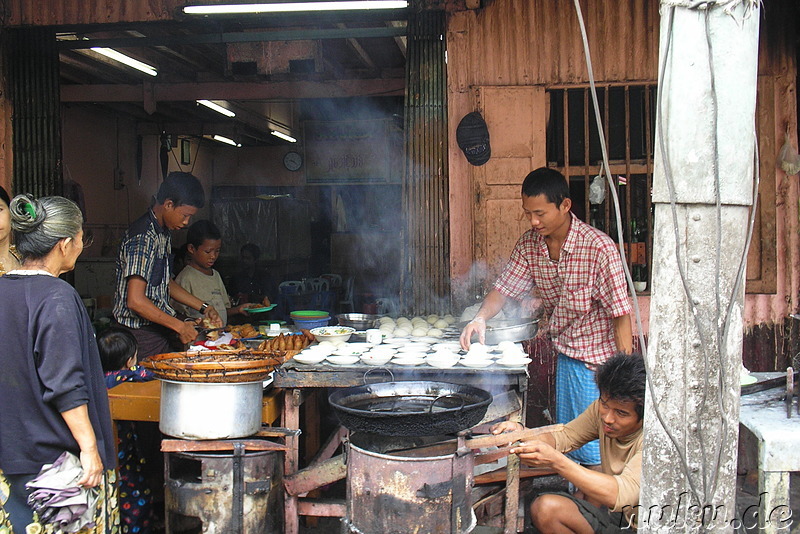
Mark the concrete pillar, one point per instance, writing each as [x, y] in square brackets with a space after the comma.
[702, 193]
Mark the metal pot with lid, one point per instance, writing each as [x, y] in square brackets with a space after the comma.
[410, 408]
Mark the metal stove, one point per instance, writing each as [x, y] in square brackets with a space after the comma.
[404, 485]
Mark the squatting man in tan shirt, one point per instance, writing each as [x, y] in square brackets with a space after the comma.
[612, 494]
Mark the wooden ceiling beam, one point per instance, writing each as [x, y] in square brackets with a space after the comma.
[166, 92]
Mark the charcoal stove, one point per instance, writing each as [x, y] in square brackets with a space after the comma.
[217, 492]
[397, 485]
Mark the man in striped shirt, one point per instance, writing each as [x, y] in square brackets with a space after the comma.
[577, 272]
[143, 280]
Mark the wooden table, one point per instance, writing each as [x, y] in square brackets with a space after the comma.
[301, 382]
[141, 401]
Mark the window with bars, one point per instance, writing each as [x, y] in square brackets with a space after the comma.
[627, 112]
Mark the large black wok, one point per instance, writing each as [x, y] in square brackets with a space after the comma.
[413, 408]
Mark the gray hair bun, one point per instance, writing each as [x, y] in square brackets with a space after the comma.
[27, 213]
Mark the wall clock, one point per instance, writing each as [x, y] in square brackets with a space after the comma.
[293, 161]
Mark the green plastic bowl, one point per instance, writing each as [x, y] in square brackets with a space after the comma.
[309, 314]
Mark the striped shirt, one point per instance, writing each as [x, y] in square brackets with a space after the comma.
[581, 292]
[145, 251]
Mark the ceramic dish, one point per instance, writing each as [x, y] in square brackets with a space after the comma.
[409, 361]
[332, 333]
[513, 361]
[442, 361]
[476, 363]
[309, 359]
[447, 345]
[342, 360]
[376, 359]
[347, 350]
[414, 348]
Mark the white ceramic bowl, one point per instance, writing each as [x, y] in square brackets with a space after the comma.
[348, 350]
[336, 359]
[477, 349]
[408, 361]
[513, 361]
[332, 333]
[476, 362]
[442, 361]
[309, 358]
[371, 358]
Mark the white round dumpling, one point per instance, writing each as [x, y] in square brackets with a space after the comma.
[419, 332]
[449, 318]
[403, 320]
[432, 318]
[401, 332]
[435, 332]
[441, 323]
[386, 320]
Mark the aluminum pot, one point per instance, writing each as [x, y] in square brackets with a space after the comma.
[201, 410]
[498, 330]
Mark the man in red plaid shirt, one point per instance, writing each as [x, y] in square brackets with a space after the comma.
[577, 271]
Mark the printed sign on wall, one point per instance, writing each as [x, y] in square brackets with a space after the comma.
[347, 151]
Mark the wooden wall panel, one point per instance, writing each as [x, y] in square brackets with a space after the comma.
[66, 12]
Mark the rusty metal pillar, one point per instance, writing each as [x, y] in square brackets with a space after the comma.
[426, 276]
[31, 72]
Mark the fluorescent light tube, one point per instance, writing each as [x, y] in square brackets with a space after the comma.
[283, 136]
[127, 60]
[217, 108]
[220, 9]
[226, 140]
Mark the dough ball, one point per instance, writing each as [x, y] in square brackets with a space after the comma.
[419, 332]
[441, 323]
[435, 332]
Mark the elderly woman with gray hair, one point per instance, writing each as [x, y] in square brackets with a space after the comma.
[52, 389]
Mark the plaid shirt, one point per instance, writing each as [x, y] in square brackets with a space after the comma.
[581, 292]
[145, 251]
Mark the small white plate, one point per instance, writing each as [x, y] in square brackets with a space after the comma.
[409, 361]
[348, 350]
[309, 359]
[477, 363]
[376, 359]
[442, 362]
[342, 360]
[516, 361]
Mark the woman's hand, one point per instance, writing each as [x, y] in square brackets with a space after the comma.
[92, 468]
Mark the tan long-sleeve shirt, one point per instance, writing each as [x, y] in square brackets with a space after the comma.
[620, 458]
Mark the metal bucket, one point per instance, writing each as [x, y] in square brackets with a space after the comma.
[392, 494]
[199, 410]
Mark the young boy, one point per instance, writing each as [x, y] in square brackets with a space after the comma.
[117, 348]
[143, 282]
[203, 244]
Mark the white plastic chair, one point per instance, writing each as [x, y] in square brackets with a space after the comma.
[316, 285]
[289, 287]
[335, 280]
